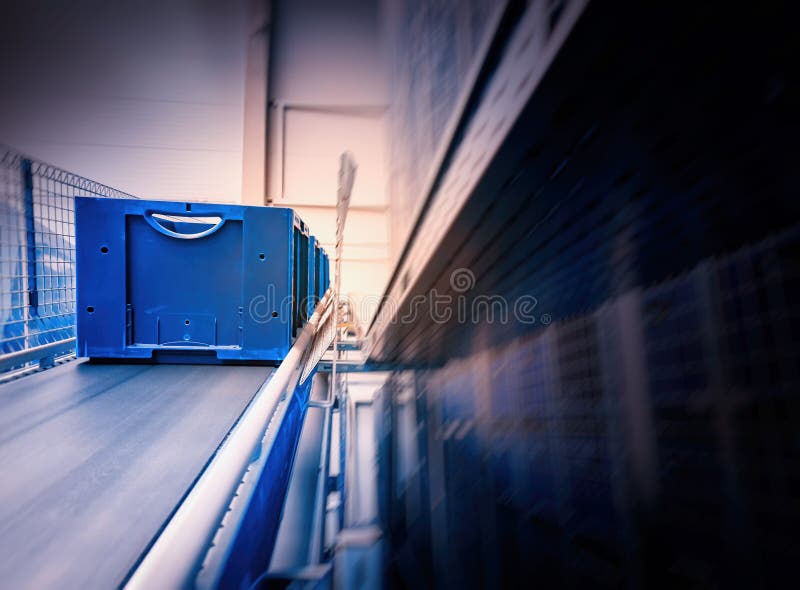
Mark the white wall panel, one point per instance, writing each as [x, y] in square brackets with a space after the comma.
[328, 95]
[145, 96]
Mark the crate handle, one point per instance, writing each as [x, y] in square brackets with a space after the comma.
[152, 217]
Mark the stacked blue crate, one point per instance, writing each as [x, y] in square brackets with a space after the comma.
[326, 278]
[318, 279]
[190, 282]
[310, 300]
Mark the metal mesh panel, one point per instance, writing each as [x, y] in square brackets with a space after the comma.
[37, 257]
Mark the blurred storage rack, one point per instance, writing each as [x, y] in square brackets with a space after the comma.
[627, 170]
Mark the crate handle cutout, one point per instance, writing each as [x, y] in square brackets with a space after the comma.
[169, 224]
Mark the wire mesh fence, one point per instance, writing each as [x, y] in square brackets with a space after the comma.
[37, 259]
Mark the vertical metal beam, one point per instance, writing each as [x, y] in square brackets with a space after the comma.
[256, 110]
[347, 176]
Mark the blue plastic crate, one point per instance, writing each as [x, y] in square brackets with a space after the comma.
[326, 271]
[311, 299]
[317, 273]
[323, 281]
[189, 282]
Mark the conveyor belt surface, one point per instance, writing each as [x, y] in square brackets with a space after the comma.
[94, 459]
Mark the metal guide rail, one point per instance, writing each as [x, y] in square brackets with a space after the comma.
[223, 531]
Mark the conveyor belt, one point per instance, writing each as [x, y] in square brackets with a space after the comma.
[94, 459]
